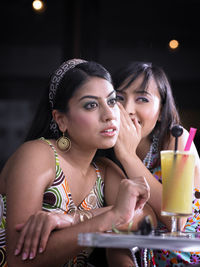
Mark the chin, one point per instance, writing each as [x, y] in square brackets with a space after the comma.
[107, 146]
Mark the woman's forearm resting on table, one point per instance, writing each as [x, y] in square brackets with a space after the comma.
[62, 244]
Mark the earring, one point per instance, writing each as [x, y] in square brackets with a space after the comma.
[63, 143]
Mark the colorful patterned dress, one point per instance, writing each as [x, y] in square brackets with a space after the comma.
[166, 258]
[58, 198]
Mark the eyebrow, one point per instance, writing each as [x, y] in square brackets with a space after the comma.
[138, 91]
[142, 92]
[95, 97]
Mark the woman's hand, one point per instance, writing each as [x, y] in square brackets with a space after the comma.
[142, 190]
[34, 234]
[132, 196]
[139, 217]
[129, 135]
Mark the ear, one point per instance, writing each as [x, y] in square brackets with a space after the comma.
[61, 119]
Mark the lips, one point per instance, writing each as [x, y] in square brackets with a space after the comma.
[109, 131]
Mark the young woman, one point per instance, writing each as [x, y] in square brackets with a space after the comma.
[148, 113]
[55, 182]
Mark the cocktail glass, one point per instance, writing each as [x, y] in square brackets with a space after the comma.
[177, 169]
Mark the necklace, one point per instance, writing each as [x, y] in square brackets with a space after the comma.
[148, 160]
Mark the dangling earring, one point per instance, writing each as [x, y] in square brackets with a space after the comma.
[63, 143]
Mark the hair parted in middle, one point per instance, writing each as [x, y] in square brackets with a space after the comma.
[79, 72]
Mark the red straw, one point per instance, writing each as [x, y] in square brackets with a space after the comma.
[190, 139]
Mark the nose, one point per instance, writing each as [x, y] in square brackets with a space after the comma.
[129, 106]
[108, 113]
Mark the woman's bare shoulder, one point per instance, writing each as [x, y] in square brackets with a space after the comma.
[30, 150]
[31, 154]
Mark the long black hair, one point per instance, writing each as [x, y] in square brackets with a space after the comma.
[125, 76]
[69, 83]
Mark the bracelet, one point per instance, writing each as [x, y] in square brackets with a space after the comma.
[73, 213]
[86, 214]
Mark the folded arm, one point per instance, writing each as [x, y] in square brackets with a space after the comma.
[29, 179]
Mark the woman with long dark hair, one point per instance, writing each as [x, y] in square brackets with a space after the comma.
[148, 113]
[54, 181]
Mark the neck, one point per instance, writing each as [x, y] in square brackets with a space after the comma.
[80, 159]
[143, 148]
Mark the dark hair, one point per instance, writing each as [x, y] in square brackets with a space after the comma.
[169, 115]
[70, 82]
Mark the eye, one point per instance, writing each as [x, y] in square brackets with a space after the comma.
[90, 105]
[120, 98]
[112, 101]
[142, 99]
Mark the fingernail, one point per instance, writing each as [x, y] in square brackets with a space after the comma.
[16, 252]
[31, 256]
[24, 256]
[40, 250]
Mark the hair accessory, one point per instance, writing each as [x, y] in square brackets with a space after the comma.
[54, 127]
[58, 75]
[64, 143]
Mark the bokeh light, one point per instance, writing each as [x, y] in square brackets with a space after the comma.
[173, 44]
[38, 5]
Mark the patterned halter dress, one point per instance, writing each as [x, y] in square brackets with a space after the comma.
[58, 198]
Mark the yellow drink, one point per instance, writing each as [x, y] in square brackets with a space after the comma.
[177, 179]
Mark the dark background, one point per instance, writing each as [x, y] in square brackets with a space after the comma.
[110, 32]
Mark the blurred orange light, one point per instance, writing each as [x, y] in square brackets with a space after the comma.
[173, 44]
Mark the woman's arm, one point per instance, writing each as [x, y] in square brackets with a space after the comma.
[113, 174]
[35, 232]
[125, 150]
[135, 167]
[62, 244]
[28, 173]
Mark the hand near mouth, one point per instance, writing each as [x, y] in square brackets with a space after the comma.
[129, 135]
